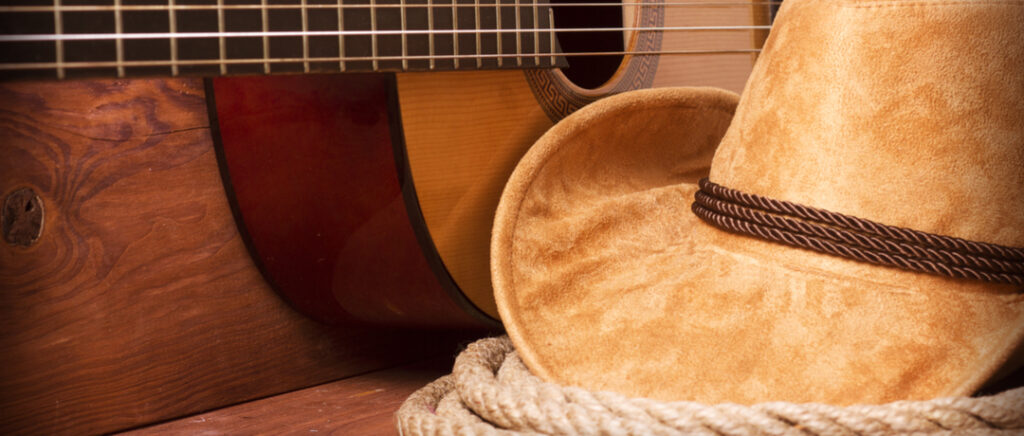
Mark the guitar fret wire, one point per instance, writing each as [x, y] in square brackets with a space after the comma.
[221, 41]
[341, 35]
[455, 34]
[497, 36]
[119, 43]
[536, 35]
[119, 36]
[284, 33]
[519, 36]
[172, 26]
[373, 27]
[476, 25]
[172, 6]
[265, 23]
[405, 38]
[305, 37]
[58, 27]
[430, 38]
[551, 41]
[198, 62]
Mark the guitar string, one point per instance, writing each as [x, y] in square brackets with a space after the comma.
[173, 36]
[43, 37]
[186, 7]
[335, 59]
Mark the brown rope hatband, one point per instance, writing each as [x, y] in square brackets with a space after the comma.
[856, 238]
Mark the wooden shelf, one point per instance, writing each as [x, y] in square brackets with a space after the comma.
[363, 405]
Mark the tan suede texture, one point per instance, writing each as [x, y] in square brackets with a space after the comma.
[908, 113]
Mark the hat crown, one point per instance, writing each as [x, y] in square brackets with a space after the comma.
[907, 113]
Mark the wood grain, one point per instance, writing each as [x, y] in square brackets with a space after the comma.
[459, 172]
[361, 405]
[465, 132]
[316, 181]
[139, 302]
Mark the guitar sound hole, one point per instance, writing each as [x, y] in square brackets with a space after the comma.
[590, 71]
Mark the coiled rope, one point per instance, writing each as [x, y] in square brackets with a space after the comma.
[491, 392]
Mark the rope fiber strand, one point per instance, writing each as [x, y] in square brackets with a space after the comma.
[491, 392]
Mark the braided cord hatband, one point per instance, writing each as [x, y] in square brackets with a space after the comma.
[856, 238]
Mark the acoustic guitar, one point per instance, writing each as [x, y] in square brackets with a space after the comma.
[364, 144]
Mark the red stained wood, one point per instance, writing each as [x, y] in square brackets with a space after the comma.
[139, 302]
[315, 179]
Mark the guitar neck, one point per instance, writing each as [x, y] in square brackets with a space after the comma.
[127, 38]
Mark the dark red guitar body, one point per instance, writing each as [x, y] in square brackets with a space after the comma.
[315, 166]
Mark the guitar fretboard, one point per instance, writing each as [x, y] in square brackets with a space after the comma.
[124, 38]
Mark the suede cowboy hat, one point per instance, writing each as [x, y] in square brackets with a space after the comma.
[857, 238]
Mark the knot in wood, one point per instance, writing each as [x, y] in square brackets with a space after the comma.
[22, 217]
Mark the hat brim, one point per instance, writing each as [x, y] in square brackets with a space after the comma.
[605, 279]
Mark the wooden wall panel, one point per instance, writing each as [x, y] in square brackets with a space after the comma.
[139, 302]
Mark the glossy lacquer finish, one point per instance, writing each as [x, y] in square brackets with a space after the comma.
[315, 168]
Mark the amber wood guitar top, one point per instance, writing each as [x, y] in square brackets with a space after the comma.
[466, 131]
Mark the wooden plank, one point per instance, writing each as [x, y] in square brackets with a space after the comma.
[363, 405]
[139, 302]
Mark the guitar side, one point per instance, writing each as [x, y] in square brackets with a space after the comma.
[331, 178]
[315, 169]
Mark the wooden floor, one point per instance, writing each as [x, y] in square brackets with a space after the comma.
[360, 405]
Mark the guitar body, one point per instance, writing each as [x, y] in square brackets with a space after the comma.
[316, 170]
[128, 296]
[370, 197]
